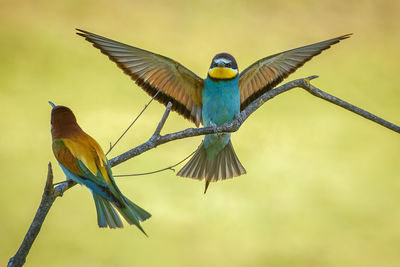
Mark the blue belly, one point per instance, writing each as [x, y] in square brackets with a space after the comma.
[221, 102]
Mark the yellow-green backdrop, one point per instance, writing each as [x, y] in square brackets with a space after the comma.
[323, 185]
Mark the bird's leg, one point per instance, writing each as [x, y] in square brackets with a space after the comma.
[236, 116]
[213, 125]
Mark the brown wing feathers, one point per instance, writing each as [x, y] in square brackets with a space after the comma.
[155, 73]
[174, 83]
[268, 72]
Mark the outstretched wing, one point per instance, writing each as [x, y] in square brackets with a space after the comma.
[155, 73]
[266, 73]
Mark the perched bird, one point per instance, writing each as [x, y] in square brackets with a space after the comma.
[83, 161]
[211, 101]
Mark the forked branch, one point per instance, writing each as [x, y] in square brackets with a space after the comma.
[233, 126]
[51, 192]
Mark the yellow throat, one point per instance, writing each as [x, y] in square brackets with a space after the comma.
[222, 73]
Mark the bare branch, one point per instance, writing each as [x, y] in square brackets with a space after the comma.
[49, 196]
[156, 140]
[51, 193]
[337, 101]
[235, 124]
[163, 120]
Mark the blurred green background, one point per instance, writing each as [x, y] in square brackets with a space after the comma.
[323, 184]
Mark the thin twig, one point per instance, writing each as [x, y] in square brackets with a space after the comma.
[337, 101]
[133, 122]
[157, 171]
[163, 120]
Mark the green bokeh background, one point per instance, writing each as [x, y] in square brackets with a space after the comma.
[322, 187]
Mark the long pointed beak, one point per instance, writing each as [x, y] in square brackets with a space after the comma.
[52, 104]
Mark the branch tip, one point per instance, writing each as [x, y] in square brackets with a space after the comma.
[49, 181]
[311, 77]
[162, 121]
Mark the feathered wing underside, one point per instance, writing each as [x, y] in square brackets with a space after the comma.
[155, 73]
[225, 165]
[266, 73]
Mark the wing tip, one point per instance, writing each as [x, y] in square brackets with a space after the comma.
[82, 32]
[89, 36]
[148, 87]
[344, 36]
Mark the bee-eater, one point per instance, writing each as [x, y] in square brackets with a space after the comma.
[211, 101]
[83, 161]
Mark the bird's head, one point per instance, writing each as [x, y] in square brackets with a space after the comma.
[223, 67]
[61, 117]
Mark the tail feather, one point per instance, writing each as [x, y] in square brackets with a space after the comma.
[236, 166]
[140, 213]
[108, 217]
[223, 169]
[131, 218]
[195, 170]
[225, 165]
[112, 217]
[200, 168]
[106, 214]
[133, 214]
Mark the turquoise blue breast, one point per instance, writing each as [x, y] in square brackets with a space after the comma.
[221, 102]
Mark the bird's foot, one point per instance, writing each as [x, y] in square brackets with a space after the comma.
[213, 125]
